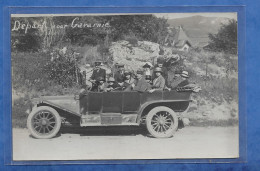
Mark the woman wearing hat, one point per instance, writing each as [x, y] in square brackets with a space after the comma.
[159, 81]
[128, 80]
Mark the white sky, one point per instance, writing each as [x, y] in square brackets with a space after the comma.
[165, 15]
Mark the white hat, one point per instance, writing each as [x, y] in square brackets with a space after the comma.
[185, 74]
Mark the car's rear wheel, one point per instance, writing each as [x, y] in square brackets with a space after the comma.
[162, 122]
[44, 122]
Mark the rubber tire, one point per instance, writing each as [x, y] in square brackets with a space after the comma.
[51, 110]
[150, 127]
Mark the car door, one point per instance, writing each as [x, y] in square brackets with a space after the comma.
[131, 102]
[112, 102]
[112, 108]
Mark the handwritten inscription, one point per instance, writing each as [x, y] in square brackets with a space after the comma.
[18, 25]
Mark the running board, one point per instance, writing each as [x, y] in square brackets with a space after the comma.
[108, 119]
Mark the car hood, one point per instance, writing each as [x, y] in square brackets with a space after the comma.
[63, 102]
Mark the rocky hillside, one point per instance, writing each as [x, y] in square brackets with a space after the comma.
[134, 56]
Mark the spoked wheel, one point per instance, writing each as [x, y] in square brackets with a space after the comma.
[44, 122]
[162, 122]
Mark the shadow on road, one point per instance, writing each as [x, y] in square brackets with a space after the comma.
[106, 131]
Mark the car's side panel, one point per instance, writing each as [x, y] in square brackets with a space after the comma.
[148, 97]
[131, 102]
[112, 102]
[174, 95]
[95, 102]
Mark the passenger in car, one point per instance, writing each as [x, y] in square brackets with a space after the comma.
[148, 79]
[112, 85]
[159, 81]
[120, 74]
[185, 81]
[128, 81]
[176, 79]
[141, 85]
[101, 84]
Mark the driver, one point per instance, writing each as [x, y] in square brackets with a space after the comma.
[97, 73]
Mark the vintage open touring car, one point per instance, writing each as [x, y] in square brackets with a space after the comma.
[160, 111]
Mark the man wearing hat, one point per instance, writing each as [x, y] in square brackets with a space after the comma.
[176, 79]
[120, 74]
[141, 84]
[159, 81]
[112, 85]
[184, 76]
[97, 73]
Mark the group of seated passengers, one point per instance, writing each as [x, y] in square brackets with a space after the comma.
[144, 80]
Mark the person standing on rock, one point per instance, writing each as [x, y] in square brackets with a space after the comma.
[120, 74]
[160, 62]
[97, 73]
[159, 81]
[147, 69]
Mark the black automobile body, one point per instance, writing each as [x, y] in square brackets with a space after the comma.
[160, 111]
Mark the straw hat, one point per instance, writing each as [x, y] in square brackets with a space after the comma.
[111, 79]
[185, 74]
[158, 69]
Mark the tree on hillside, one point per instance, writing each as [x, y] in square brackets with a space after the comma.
[226, 38]
[144, 27]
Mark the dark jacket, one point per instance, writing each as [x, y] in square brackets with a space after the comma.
[142, 85]
[98, 73]
[127, 84]
[183, 83]
[119, 77]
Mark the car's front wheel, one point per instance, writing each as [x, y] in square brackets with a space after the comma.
[44, 122]
[162, 122]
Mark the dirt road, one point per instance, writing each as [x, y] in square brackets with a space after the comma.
[126, 143]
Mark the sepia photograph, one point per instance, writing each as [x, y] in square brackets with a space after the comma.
[122, 86]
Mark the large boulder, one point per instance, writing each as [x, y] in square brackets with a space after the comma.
[132, 56]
